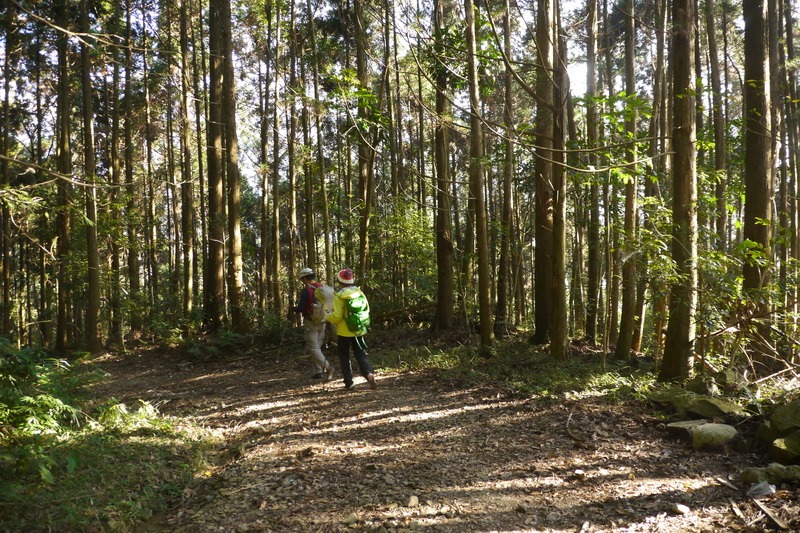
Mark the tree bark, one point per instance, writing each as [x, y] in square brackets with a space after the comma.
[187, 181]
[274, 22]
[629, 252]
[593, 237]
[720, 143]
[321, 168]
[543, 217]
[64, 162]
[132, 223]
[115, 300]
[93, 343]
[366, 154]
[758, 148]
[5, 175]
[235, 265]
[215, 263]
[444, 236]
[476, 183]
[559, 338]
[679, 343]
[506, 225]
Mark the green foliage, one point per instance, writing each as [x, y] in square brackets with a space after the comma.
[67, 467]
[403, 249]
[525, 371]
[348, 90]
[37, 393]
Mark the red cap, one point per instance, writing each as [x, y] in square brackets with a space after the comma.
[345, 277]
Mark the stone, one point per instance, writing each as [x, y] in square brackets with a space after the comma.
[680, 509]
[786, 418]
[765, 434]
[712, 436]
[778, 473]
[683, 429]
[786, 450]
[675, 397]
[753, 475]
[706, 407]
[775, 473]
[730, 379]
[702, 385]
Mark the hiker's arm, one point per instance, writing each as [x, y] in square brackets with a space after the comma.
[302, 303]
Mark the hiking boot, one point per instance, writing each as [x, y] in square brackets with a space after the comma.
[371, 381]
[328, 373]
[350, 387]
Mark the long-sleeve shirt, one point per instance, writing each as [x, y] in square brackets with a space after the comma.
[340, 310]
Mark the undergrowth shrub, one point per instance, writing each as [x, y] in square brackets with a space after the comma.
[69, 466]
[528, 371]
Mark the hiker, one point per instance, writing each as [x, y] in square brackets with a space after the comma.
[313, 327]
[351, 316]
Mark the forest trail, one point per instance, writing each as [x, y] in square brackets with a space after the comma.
[422, 454]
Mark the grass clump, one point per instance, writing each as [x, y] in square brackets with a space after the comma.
[527, 370]
[67, 465]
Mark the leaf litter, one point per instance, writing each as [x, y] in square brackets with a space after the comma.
[424, 454]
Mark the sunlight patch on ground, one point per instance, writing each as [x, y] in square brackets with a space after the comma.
[209, 376]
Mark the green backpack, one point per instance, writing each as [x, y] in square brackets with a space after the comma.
[357, 317]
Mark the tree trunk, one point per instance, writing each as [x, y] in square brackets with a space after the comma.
[64, 162]
[93, 343]
[265, 245]
[187, 182]
[133, 232]
[365, 151]
[274, 20]
[629, 253]
[679, 343]
[235, 266]
[115, 300]
[199, 72]
[758, 157]
[444, 237]
[506, 221]
[718, 112]
[794, 169]
[323, 187]
[593, 238]
[291, 140]
[656, 134]
[543, 265]
[5, 175]
[559, 338]
[476, 183]
[151, 228]
[215, 263]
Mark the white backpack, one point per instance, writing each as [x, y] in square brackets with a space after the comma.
[323, 303]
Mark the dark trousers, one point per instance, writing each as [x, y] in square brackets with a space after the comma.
[345, 343]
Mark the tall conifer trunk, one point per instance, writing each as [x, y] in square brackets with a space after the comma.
[444, 235]
[543, 213]
[758, 157]
[679, 343]
[215, 266]
[476, 184]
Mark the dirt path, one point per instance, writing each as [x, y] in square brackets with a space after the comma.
[425, 455]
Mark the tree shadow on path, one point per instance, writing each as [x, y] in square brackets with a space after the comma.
[422, 454]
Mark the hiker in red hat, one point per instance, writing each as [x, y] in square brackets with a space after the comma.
[351, 316]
